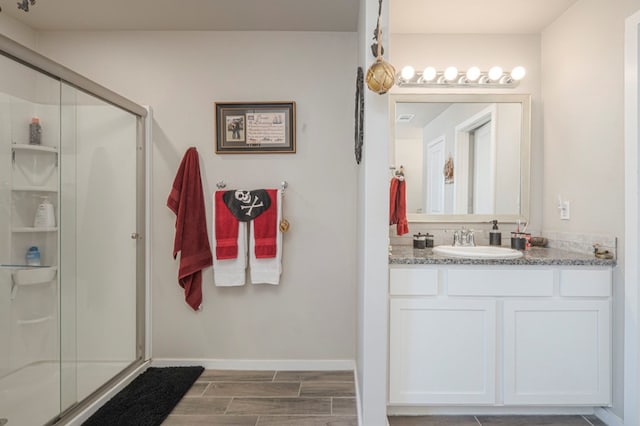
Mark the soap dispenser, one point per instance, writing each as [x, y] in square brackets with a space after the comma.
[495, 236]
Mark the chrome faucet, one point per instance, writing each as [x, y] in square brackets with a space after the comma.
[463, 237]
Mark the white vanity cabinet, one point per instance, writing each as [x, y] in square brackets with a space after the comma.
[499, 335]
[442, 351]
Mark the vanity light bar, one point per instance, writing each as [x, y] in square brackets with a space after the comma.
[451, 77]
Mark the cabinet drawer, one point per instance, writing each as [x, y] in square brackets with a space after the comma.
[500, 282]
[585, 282]
[413, 282]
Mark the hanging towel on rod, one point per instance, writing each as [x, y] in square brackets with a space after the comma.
[265, 243]
[398, 205]
[191, 239]
[230, 236]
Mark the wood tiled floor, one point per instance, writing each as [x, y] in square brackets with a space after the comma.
[268, 398]
[494, 421]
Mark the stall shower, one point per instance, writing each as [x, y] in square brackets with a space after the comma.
[71, 252]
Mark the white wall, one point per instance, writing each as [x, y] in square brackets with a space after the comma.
[310, 316]
[409, 154]
[583, 88]
[18, 31]
[483, 51]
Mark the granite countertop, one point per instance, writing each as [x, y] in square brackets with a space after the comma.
[407, 255]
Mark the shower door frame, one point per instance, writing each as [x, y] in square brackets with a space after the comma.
[38, 62]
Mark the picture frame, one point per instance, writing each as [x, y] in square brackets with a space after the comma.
[255, 127]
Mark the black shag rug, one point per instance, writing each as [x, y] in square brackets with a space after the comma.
[148, 399]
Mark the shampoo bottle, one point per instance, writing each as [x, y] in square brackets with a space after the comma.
[33, 256]
[35, 132]
[45, 216]
[495, 237]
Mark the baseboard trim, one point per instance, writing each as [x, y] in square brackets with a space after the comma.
[607, 416]
[258, 364]
[483, 410]
[93, 407]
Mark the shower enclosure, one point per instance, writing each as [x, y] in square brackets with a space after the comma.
[72, 198]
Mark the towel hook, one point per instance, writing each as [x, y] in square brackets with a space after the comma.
[221, 184]
[284, 185]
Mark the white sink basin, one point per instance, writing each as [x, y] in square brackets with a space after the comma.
[478, 252]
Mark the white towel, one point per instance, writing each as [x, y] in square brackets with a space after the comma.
[230, 272]
[267, 271]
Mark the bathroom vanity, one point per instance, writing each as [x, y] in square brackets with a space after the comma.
[533, 331]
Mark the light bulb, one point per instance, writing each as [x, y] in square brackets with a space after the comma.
[408, 72]
[518, 73]
[451, 73]
[473, 73]
[495, 73]
[429, 73]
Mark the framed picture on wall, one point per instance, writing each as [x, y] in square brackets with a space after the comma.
[255, 128]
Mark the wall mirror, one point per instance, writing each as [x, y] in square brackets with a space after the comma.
[465, 157]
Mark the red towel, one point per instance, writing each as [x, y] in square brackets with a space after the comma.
[186, 200]
[266, 229]
[398, 206]
[226, 230]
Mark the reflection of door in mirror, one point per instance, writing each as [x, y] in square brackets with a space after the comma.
[482, 183]
[434, 176]
[475, 147]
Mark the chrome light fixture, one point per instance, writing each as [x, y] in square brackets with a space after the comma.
[452, 78]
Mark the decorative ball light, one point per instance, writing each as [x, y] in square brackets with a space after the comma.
[381, 75]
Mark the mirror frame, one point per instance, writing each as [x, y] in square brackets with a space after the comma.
[525, 150]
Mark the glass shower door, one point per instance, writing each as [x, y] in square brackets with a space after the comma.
[98, 213]
[29, 296]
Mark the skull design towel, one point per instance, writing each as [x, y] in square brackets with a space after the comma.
[235, 210]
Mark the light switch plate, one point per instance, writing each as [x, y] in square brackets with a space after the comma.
[565, 210]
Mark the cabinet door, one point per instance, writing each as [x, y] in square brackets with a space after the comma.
[442, 351]
[557, 352]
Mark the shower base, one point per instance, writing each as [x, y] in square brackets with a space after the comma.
[31, 396]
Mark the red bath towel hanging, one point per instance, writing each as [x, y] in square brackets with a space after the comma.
[186, 200]
[398, 206]
[266, 229]
[226, 229]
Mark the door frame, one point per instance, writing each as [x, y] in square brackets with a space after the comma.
[461, 148]
[440, 141]
[632, 229]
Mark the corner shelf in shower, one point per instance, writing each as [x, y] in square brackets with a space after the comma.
[35, 188]
[31, 276]
[32, 229]
[41, 148]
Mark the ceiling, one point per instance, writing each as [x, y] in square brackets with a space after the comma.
[405, 16]
[216, 15]
[474, 16]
